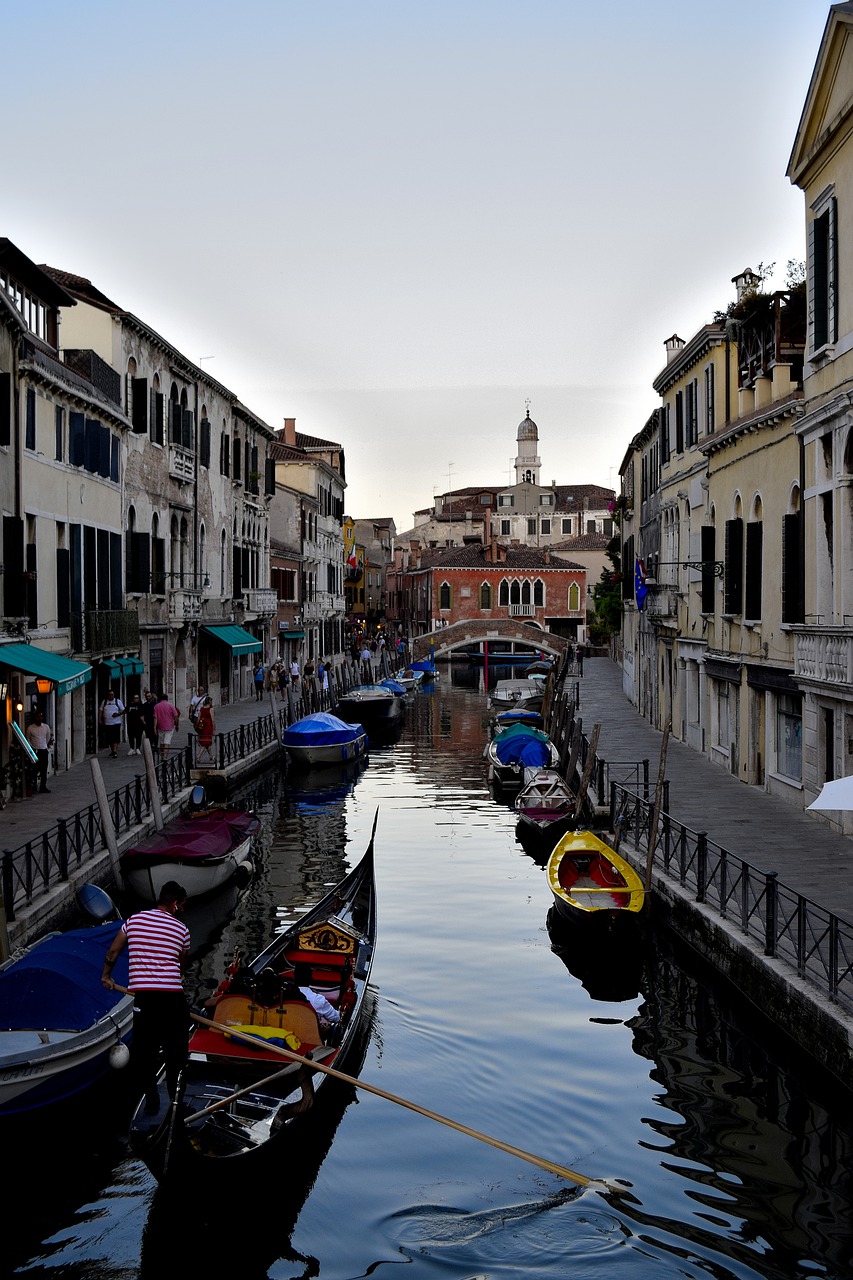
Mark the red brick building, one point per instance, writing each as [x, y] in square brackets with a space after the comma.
[494, 582]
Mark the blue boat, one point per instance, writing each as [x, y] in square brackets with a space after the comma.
[323, 739]
[58, 1024]
[396, 686]
[428, 667]
[518, 748]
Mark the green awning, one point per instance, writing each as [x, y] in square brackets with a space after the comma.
[292, 635]
[67, 675]
[131, 666]
[238, 640]
[112, 666]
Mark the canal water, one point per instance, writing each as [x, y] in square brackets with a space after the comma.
[732, 1154]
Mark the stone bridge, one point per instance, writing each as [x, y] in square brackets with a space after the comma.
[464, 634]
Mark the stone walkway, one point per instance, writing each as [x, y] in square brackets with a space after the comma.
[761, 829]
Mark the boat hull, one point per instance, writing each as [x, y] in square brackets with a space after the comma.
[197, 877]
[328, 754]
[57, 1023]
[592, 884]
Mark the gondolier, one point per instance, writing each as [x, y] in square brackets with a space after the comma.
[158, 944]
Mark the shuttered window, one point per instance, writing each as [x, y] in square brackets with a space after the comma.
[793, 607]
[734, 566]
[752, 583]
[709, 555]
[139, 394]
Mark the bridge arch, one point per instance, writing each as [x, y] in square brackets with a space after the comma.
[461, 635]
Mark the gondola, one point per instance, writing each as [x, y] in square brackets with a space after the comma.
[238, 1097]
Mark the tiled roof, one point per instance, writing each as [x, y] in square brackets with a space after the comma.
[475, 556]
[286, 452]
[313, 442]
[80, 287]
[583, 542]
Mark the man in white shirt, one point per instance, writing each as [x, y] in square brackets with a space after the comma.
[326, 1013]
[40, 738]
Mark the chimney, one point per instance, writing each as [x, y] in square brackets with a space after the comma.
[290, 431]
[746, 283]
[674, 346]
[547, 555]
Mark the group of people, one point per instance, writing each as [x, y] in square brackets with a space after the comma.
[155, 718]
[276, 676]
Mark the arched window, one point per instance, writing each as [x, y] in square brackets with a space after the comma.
[202, 558]
[539, 593]
[485, 595]
[525, 592]
[515, 593]
[222, 559]
[174, 552]
[574, 598]
[444, 596]
[503, 594]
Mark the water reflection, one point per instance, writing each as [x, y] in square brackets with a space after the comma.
[610, 967]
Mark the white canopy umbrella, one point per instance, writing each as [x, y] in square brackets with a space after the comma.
[835, 795]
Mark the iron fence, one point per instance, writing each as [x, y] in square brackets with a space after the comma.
[817, 944]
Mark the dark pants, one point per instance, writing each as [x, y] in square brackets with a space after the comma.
[44, 757]
[161, 1023]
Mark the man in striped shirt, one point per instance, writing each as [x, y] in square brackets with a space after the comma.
[158, 944]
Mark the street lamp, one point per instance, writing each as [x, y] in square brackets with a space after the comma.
[43, 685]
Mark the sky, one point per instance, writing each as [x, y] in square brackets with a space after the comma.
[398, 223]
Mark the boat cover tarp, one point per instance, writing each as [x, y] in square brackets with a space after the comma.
[521, 730]
[425, 665]
[321, 730]
[57, 984]
[393, 685]
[204, 835]
[524, 749]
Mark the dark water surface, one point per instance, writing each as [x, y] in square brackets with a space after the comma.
[735, 1157]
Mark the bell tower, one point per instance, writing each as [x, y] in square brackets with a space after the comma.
[527, 461]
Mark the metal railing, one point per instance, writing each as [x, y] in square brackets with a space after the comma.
[788, 926]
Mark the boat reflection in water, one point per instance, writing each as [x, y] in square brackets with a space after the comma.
[326, 787]
[608, 966]
[247, 1230]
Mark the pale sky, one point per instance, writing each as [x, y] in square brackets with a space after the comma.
[396, 222]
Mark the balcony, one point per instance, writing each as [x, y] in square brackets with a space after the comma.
[662, 604]
[184, 605]
[824, 655]
[89, 365]
[522, 611]
[98, 631]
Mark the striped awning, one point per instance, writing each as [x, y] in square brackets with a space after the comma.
[65, 674]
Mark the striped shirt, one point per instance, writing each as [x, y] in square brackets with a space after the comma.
[155, 942]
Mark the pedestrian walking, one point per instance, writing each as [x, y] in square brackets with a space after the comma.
[580, 654]
[258, 677]
[148, 704]
[110, 716]
[294, 672]
[158, 944]
[275, 676]
[205, 727]
[167, 718]
[195, 702]
[40, 738]
[135, 721]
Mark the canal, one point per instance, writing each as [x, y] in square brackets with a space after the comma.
[733, 1153]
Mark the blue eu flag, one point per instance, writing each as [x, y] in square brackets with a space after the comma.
[640, 588]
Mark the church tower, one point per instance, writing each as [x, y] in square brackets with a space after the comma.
[527, 463]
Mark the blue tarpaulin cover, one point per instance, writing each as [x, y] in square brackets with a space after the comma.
[57, 984]
[320, 730]
[522, 744]
[393, 685]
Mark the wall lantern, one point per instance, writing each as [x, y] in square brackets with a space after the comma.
[43, 685]
[19, 706]
[4, 689]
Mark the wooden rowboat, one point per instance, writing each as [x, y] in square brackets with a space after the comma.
[591, 882]
[238, 1097]
[546, 803]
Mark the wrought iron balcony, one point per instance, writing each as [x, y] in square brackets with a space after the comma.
[98, 631]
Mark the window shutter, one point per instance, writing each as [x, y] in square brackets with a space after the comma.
[13, 561]
[31, 584]
[187, 428]
[90, 568]
[75, 532]
[237, 588]
[139, 417]
[734, 566]
[269, 476]
[116, 593]
[752, 591]
[104, 580]
[104, 451]
[5, 408]
[679, 422]
[63, 587]
[157, 416]
[31, 419]
[709, 555]
[792, 580]
[93, 445]
[832, 271]
[158, 565]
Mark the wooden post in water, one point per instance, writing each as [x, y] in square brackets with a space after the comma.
[587, 772]
[153, 789]
[574, 739]
[106, 817]
[653, 827]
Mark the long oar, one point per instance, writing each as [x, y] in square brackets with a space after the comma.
[549, 1165]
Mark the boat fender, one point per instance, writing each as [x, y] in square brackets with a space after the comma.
[271, 1035]
[244, 871]
[119, 1056]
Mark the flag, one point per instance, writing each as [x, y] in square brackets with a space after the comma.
[352, 559]
[640, 588]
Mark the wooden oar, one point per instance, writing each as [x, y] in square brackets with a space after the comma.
[579, 1178]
